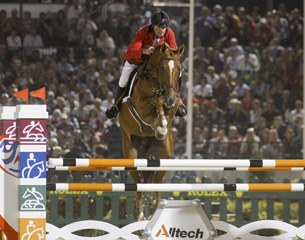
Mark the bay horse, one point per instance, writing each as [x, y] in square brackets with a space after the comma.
[146, 116]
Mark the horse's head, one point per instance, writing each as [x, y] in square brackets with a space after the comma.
[165, 65]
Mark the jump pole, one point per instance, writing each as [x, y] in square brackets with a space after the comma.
[160, 187]
[213, 169]
[226, 163]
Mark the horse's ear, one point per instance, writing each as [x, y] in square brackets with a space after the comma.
[180, 50]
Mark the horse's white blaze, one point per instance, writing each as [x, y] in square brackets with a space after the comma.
[171, 65]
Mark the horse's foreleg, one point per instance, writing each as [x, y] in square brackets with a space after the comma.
[160, 123]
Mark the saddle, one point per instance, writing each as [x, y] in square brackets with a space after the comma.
[126, 98]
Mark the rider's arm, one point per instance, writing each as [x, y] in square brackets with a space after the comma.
[135, 49]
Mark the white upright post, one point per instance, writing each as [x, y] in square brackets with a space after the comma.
[189, 127]
[9, 169]
[32, 136]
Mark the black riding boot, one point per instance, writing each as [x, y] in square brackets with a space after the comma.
[113, 111]
[181, 112]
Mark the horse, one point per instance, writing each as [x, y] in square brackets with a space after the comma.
[147, 112]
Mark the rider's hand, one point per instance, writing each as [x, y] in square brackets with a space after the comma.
[148, 51]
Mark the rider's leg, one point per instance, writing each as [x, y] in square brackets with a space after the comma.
[181, 112]
[127, 69]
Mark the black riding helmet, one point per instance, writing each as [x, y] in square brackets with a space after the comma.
[160, 19]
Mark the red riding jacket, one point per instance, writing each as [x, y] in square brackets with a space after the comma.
[145, 37]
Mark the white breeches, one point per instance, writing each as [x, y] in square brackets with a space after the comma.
[127, 69]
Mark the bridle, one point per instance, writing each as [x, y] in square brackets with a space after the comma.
[154, 77]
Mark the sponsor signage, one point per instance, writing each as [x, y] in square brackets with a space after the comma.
[179, 219]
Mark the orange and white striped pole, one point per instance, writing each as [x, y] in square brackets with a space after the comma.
[179, 187]
[213, 169]
[226, 163]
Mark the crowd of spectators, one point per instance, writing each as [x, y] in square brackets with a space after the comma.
[248, 77]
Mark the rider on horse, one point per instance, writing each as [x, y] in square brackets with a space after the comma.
[143, 45]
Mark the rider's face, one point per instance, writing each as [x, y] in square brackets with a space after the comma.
[159, 31]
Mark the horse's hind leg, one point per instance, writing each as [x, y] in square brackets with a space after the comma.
[130, 152]
[159, 177]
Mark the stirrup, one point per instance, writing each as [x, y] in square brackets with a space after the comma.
[112, 112]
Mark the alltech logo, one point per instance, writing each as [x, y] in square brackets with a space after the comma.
[176, 232]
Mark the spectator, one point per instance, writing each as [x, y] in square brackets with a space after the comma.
[73, 39]
[104, 42]
[262, 34]
[87, 24]
[14, 41]
[113, 138]
[260, 126]
[279, 125]
[269, 111]
[110, 24]
[199, 143]
[247, 65]
[202, 88]
[215, 115]
[241, 87]
[64, 66]
[184, 27]
[12, 23]
[27, 23]
[231, 60]
[297, 111]
[295, 32]
[234, 46]
[259, 87]
[234, 143]
[291, 145]
[61, 27]
[222, 92]
[250, 145]
[73, 12]
[273, 148]
[233, 22]
[218, 146]
[32, 40]
[212, 77]
[179, 146]
[123, 30]
[45, 30]
[94, 121]
[236, 115]
[204, 27]
[248, 101]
